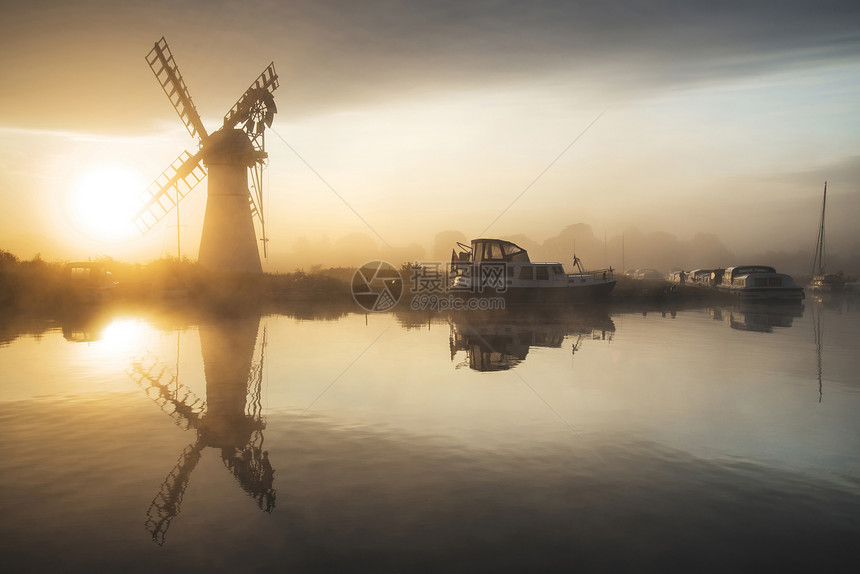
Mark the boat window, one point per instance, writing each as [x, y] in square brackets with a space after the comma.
[516, 253]
[79, 273]
[542, 273]
[761, 281]
[558, 269]
[493, 251]
[775, 282]
[527, 273]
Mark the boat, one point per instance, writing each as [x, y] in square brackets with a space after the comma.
[757, 282]
[88, 281]
[823, 282]
[677, 276]
[699, 277]
[500, 268]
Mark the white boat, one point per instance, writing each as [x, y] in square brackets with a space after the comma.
[758, 282]
[495, 267]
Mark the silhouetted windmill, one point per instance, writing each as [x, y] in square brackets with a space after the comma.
[228, 242]
[230, 419]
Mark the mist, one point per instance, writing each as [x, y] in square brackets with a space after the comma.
[713, 122]
[634, 248]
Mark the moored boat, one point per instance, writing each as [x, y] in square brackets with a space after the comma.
[759, 282]
[88, 282]
[699, 277]
[499, 268]
[828, 283]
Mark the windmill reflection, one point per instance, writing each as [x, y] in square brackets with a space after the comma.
[499, 343]
[230, 419]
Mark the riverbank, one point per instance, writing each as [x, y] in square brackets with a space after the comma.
[40, 288]
[50, 288]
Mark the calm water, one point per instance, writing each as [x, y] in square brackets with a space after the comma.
[709, 439]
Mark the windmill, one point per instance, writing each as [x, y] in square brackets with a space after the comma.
[228, 241]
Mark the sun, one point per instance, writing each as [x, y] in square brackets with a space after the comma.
[103, 200]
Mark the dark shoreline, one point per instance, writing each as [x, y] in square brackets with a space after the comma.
[81, 318]
[36, 291]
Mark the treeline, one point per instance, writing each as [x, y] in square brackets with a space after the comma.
[49, 287]
[631, 249]
[32, 284]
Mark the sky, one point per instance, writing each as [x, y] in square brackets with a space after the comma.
[398, 120]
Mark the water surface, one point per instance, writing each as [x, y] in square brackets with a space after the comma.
[661, 440]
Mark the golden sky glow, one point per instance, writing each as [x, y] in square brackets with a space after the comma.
[426, 117]
[102, 201]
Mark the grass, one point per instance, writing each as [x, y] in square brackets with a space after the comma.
[48, 287]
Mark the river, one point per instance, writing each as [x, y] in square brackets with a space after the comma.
[694, 439]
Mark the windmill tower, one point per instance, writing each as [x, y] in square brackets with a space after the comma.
[230, 154]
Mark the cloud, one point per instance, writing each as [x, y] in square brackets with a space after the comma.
[391, 48]
[82, 64]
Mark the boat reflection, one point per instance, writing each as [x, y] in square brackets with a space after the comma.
[229, 419]
[828, 311]
[498, 342]
[844, 301]
[85, 325]
[758, 317]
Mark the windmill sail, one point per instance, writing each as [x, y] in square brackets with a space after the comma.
[259, 96]
[167, 502]
[255, 199]
[168, 189]
[255, 111]
[167, 72]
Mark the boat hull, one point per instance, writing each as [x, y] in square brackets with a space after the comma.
[550, 295]
[501, 270]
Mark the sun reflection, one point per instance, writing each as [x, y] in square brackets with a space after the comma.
[110, 347]
[122, 336]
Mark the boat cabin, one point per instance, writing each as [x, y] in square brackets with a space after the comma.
[504, 268]
[88, 281]
[90, 275]
[498, 250]
[733, 275]
[700, 276]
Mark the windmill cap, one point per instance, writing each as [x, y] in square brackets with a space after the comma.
[230, 146]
